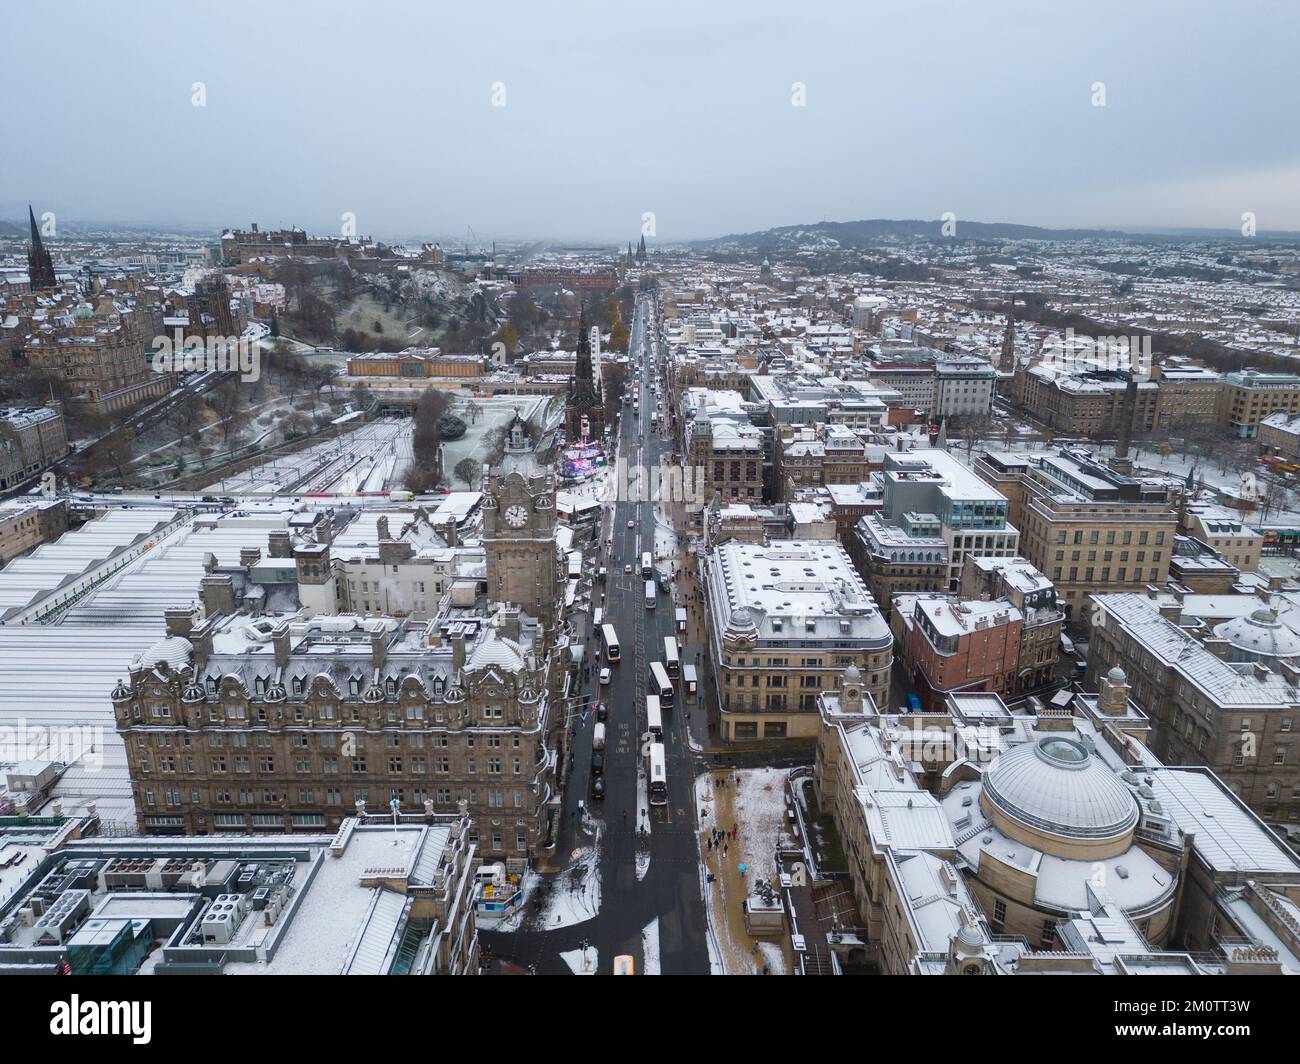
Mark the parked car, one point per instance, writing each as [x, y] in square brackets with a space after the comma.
[631, 523]
[604, 675]
[627, 568]
[598, 787]
[597, 764]
[602, 711]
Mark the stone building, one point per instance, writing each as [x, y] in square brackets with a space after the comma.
[272, 723]
[1248, 396]
[26, 523]
[935, 514]
[102, 350]
[31, 438]
[524, 565]
[1219, 676]
[950, 645]
[812, 456]
[983, 842]
[728, 455]
[1022, 585]
[784, 621]
[1085, 526]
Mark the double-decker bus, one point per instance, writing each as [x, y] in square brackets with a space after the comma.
[654, 718]
[660, 685]
[671, 663]
[658, 775]
[611, 642]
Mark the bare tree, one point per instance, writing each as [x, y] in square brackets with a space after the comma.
[466, 470]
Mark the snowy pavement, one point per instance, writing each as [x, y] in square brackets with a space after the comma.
[753, 801]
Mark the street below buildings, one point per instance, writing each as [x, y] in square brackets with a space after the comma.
[648, 862]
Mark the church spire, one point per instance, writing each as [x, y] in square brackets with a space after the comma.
[584, 398]
[40, 267]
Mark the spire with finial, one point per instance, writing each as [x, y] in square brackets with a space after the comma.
[40, 267]
[1008, 360]
[584, 399]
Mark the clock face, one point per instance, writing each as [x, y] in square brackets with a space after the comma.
[516, 517]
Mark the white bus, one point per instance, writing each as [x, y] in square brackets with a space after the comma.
[650, 594]
[654, 719]
[611, 642]
[647, 566]
[671, 663]
[658, 775]
[660, 685]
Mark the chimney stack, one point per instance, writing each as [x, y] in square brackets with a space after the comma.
[378, 645]
[180, 620]
[280, 640]
[201, 638]
[279, 544]
[217, 594]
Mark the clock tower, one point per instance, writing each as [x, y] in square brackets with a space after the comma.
[519, 530]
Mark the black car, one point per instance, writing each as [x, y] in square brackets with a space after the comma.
[598, 787]
[602, 711]
[597, 764]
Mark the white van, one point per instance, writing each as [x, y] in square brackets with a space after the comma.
[1067, 645]
[598, 737]
[494, 873]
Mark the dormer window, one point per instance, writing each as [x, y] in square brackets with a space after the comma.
[354, 685]
[299, 685]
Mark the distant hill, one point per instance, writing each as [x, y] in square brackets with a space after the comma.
[10, 231]
[870, 230]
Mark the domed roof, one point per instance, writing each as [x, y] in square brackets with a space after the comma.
[1260, 635]
[174, 652]
[1116, 675]
[1056, 785]
[741, 622]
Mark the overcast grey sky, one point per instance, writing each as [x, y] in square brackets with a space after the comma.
[384, 108]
